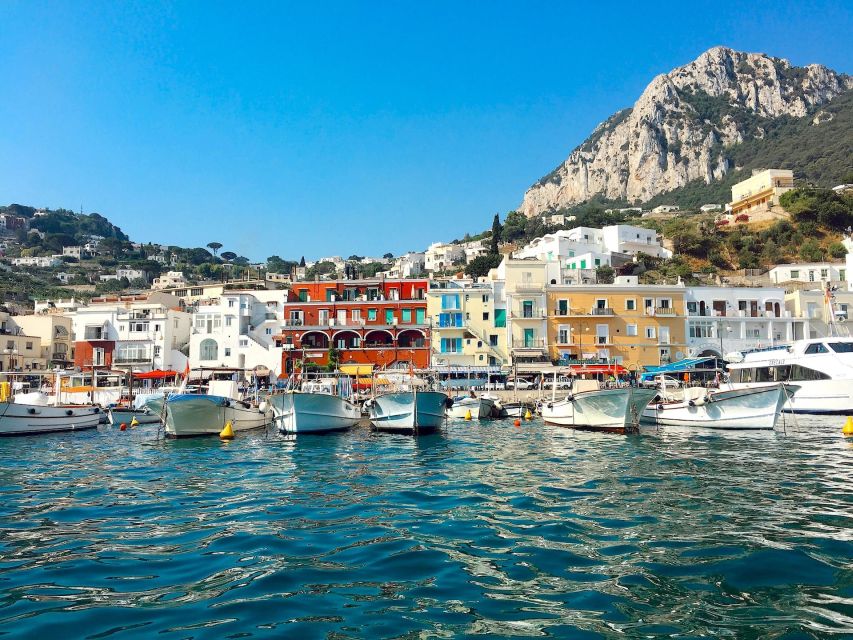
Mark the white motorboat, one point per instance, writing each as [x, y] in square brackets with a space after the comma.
[757, 408]
[29, 414]
[408, 411]
[190, 414]
[821, 367]
[126, 415]
[318, 406]
[481, 408]
[589, 407]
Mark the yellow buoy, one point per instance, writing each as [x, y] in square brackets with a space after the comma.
[847, 429]
[468, 414]
[134, 422]
[227, 432]
[528, 415]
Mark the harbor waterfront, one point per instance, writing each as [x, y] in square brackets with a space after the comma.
[481, 528]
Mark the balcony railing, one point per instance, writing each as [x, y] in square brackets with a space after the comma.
[535, 313]
[528, 287]
[139, 360]
[535, 343]
[665, 311]
[601, 311]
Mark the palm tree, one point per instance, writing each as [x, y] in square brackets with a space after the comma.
[214, 246]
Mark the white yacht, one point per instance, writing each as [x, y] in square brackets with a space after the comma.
[317, 406]
[822, 368]
[189, 414]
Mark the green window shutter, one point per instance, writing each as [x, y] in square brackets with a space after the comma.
[500, 317]
[406, 316]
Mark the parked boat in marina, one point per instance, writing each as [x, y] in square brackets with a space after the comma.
[408, 411]
[481, 408]
[315, 407]
[34, 413]
[757, 408]
[119, 415]
[190, 414]
[821, 367]
[589, 407]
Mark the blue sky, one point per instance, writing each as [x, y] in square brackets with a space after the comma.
[337, 128]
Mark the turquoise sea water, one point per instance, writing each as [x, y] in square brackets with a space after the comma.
[485, 528]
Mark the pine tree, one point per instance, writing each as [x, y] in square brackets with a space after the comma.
[497, 230]
[302, 262]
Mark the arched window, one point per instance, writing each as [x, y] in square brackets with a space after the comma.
[209, 350]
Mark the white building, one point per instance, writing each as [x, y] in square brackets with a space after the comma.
[816, 272]
[43, 262]
[721, 320]
[440, 256]
[474, 249]
[237, 330]
[666, 208]
[138, 333]
[125, 272]
[78, 252]
[626, 238]
[169, 280]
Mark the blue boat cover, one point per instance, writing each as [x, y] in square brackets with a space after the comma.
[688, 365]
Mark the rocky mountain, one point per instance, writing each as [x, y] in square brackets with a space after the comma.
[678, 129]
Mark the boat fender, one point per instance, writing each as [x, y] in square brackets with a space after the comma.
[550, 405]
[660, 406]
[448, 402]
[31, 411]
[97, 409]
[691, 403]
[69, 412]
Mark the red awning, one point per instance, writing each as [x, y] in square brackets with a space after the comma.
[157, 374]
[615, 369]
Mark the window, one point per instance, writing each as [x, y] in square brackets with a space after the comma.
[406, 316]
[485, 297]
[692, 307]
[196, 292]
[451, 345]
[98, 357]
[650, 333]
[230, 302]
[648, 303]
[244, 342]
[795, 273]
[389, 316]
[631, 330]
[818, 347]
[485, 315]
[665, 303]
[157, 351]
[208, 349]
[268, 331]
[449, 301]
[563, 334]
[356, 315]
[493, 340]
[811, 276]
[701, 330]
[371, 314]
[562, 307]
[303, 295]
[630, 304]
[29, 346]
[842, 347]
[227, 351]
[500, 318]
[602, 334]
[228, 320]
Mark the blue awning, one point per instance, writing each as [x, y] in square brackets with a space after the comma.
[688, 365]
[463, 370]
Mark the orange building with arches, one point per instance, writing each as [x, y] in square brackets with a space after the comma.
[373, 321]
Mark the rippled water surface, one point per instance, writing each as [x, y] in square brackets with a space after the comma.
[485, 528]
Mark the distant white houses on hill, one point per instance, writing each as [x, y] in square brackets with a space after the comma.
[666, 208]
[705, 208]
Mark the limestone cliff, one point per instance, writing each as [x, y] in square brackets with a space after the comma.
[677, 129]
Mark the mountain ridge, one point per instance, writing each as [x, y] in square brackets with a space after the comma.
[678, 128]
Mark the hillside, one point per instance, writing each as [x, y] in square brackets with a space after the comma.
[680, 131]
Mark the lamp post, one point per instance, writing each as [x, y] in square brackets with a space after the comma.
[720, 335]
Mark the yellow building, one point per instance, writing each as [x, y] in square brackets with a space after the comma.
[761, 191]
[623, 323]
[54, 331]
[467, 329]
[18, 351]
[526, 309]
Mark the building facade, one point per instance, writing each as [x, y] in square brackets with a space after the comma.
[526, 311]
[468, 330]
[761, 191]
[624, 323]
[817, 272]
[55, 334]
[371, 321]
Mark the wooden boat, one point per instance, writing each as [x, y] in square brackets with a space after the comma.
[190, 414]
[481, 408]
[316, 407]
[408, 411]
[19, 418]
[589, 407]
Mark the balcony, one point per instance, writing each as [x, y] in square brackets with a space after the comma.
[665, 311]
[270, 316]
[529, 287]
[528, 313]
[601, 311]
[534, 343]
[134, 360]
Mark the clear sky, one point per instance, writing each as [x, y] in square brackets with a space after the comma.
[325, 128]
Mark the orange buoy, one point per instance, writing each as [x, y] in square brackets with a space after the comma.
[123, 427]
[517, 422]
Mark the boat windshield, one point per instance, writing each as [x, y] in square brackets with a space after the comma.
[842, 347]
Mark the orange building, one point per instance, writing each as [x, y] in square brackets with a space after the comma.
[377, 322]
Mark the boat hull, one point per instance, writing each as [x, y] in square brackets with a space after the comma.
[203, 415]
[21, 419]
[734, 409]
[814, 396]
[296, 412]
[117, 416]
[613, 410]
[409, 412]
[480, 408]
